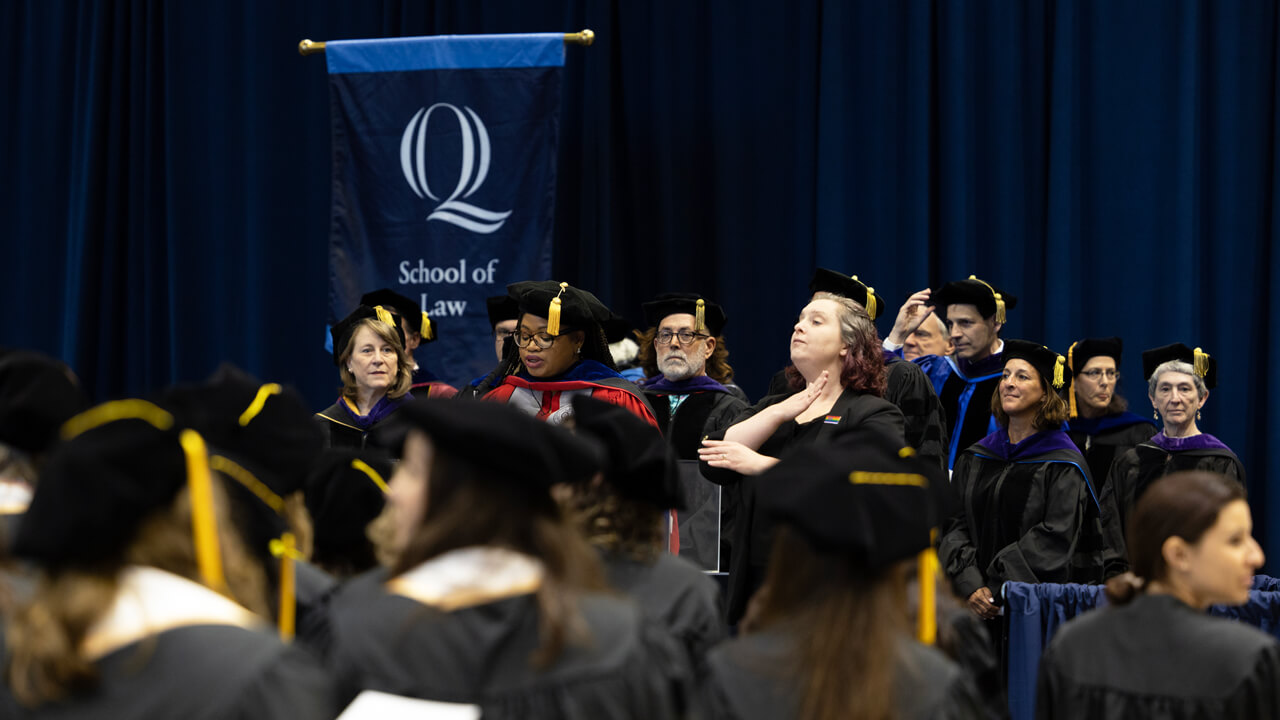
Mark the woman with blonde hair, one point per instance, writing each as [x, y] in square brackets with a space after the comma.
[376, 371]
[135, 615]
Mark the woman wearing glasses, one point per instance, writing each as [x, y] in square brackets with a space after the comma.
[1100, 424]
[560, 351]
[838, 382]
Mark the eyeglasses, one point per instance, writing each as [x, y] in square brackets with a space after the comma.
[542, 340]
[1097, 373]
[684, 336]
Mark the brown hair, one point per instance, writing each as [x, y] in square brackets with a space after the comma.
[822, 600]
[718, 367]
[404, 364]
[45, 634]
[1053, 410]
[1182, 504]
[469, 505]
[863, 368]
[615, 524]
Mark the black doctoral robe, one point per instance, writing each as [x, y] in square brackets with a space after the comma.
[1025, 514]
[480, 655]
[1103, 439]
[1141, 465]
[1160, 659]
[753, 531]
[752, 678]
[340, 432]
[201, 672]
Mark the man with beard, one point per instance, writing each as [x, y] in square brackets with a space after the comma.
[685, 353]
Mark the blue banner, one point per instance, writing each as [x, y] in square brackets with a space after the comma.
[444, 153]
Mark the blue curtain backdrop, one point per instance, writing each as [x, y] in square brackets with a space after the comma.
[1112, 163]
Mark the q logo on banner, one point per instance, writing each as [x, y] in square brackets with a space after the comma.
[413, 150]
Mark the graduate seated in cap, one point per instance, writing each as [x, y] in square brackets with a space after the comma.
[907, 386]
[839, 367]
[1154, 651]
[1027, 509]
[688, 364]
[560, 352]
[493, 599]
[974, 311]
[376, 372]
[262, 441]
[831, 638]
[144, 607]
[346, 492]
[623, 514]
[1100, 424]
[1179, 379]
[417, 328]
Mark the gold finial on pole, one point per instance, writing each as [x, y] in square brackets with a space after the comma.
[586, 37]
[310, 47]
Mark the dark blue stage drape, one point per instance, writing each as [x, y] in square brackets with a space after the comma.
[1111, 162]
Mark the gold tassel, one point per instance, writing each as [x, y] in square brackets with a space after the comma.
[1201, 362]
[286, 548]
[259, 402]
[428, 331]
[116, 410]
[204, 522]
[999, 299]
[1058, 367]
[1071, 390]
[364, 467]
[926, 618]
[553, 312]
[872, 308]
[700, 316]
[384, 315]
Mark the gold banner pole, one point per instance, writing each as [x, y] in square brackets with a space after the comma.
[584, 38]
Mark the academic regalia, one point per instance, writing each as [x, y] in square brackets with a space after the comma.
[753, 531]
[1024, 515]
[212, 662]
[746, 683]
[964, 389]
[1158, 658]
[344, 427]
[686, 411]
[443, 632]
[550, 399]
[1102, 440]
[1139, 466]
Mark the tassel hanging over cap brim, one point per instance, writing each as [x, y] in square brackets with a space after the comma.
[1058, 366]
[428, 331]
[553, 312]
[204, 523]
[700, 316]
[384, 315]
[1200, 362]
[926, 618]
[1071, 389]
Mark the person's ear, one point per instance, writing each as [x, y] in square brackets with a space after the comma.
[711, 347]
[1177, 554]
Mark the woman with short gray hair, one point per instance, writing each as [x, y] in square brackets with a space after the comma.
[1179, 379]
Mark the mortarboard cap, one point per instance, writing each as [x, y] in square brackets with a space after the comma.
[346, 327]
[501, 307]
[989, 299]
[500, 438]
[712, 318]
[37, 395]
[848, 286]
[415, 317]
[561, 305]
[639, 463]
[346, 491]
[1204, 365]
[1079, 355]
[1048, 363]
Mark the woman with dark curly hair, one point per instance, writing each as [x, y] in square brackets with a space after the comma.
[838, 381]
[1027, 508]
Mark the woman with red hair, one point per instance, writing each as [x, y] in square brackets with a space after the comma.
[837, 380]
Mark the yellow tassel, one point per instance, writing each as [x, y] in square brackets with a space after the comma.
[1058, 366]
[927, 618]
[259, 402]
[428, 330]
[1071, 390]
[233, 470]
[553, 312]
[286, 548]
[116, 410]
[700, 316]
[204, 522]
[872, 308]
[1201, 362]
[364, 467]
[384, 315]
[999, 300]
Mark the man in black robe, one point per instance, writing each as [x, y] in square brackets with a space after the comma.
[689, 403]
